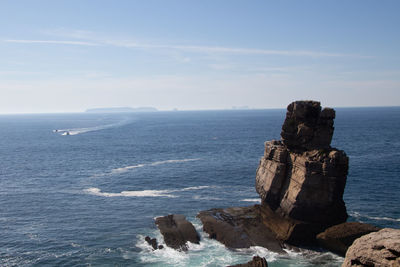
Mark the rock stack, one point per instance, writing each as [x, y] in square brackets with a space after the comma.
[301, 181]
[301, 178]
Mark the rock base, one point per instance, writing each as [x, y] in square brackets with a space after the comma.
[239, 227]
[255, 262]
[176, 231]
[339, 238]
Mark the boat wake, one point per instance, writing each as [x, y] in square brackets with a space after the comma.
[75, 131]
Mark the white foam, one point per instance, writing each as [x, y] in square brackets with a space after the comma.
[127, 168]
[130, 167]
[251, 200]
[196, 197]
[167, 254]
[143, 193]
[195, 188]
[306, 257]
[208, 253]
[359, 215]
[270, 256]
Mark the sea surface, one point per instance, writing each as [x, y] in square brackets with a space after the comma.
[89, 198]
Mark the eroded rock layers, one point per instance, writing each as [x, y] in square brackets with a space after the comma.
[301, 178]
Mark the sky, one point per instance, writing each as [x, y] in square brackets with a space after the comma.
[71, 55]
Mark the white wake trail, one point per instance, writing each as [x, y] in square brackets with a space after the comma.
[75, 131]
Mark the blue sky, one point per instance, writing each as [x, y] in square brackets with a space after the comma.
[67, 56]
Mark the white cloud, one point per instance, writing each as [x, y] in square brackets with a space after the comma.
[186, 48]
[57, 42]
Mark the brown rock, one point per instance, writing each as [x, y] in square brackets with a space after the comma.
[287, 229]
[152, 242]
[176, 231]
[239, 227]
[376, 249]
[306, 186]
[339, 238]
[301, 178]
[255, 262]
[306, 127]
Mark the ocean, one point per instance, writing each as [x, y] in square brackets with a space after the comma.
[89, 198]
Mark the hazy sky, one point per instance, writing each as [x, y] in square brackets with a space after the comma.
[67, 56]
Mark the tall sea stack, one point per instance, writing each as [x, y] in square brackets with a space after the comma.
[301, 178]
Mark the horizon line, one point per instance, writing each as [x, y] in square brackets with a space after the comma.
[182, 110]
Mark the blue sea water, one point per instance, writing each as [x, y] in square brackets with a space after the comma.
[90, 198]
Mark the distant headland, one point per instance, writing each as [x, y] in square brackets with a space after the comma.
[121, 110]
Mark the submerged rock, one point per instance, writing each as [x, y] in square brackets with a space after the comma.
[376, 249]
[239, 227]
[301, 179]
[176, 231]
[255, 262]
[339, 238]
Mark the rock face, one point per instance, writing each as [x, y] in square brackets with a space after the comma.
[176, 231]
[301, 179]
[376, 249]
[255, 262]
[307, 127]
[339, 238]
[239, 227]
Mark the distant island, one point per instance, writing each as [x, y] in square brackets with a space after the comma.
[121, 110]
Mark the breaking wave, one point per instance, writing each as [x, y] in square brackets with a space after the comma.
[208, 253]
[143, 193]
[206, 198]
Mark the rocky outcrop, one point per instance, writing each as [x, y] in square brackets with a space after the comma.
[339, 238]
[376, 249]
[255, 262]
[152, 242]
[239, 227]
[176, 231]
[301, 179]
[306, 127]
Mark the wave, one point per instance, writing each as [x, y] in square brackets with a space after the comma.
[251, 200]
[213, 253]
[359, 215]
[75, 131]
[143, 193]
[205, 198]
[127, 168]
[208, 253]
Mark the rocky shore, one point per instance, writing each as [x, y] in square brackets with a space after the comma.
[301, 181]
